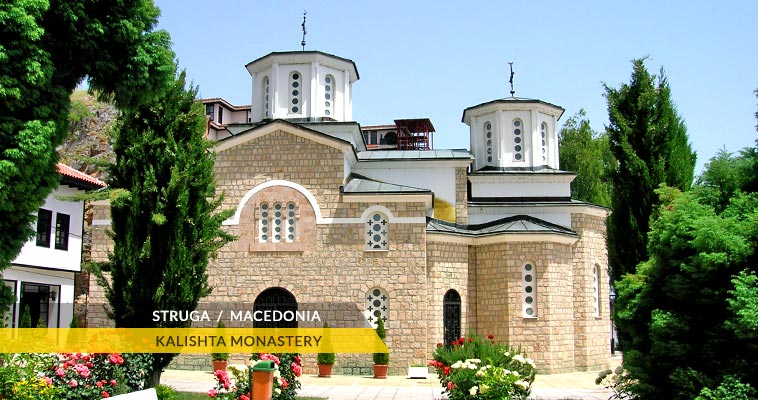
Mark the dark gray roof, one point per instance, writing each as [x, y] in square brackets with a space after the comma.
[284, 53]
[542, 169]
[358, 184]
[509, 100]
[381, 155]
[514, 224]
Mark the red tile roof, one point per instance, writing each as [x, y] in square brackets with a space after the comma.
[67, 171]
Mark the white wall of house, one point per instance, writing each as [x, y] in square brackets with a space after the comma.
[61, 283]
[50, 257]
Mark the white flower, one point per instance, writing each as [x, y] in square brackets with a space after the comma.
[472, 366]
[516, 374]
[480, 372]
[475, 360]
[473, 390]
[277, 374]
[506, 353]
[278, 391]
[522, 384]
[519, 358]
[457, 364]
[530, 362]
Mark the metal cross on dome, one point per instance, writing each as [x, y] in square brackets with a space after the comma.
[513, 92]
[304, 31]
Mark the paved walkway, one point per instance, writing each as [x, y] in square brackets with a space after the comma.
[572, 386]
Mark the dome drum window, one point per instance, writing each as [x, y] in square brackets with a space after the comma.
[329, 84]
[488, 140]
[295, 105]
[377, 306]
[518, 140]
[266, 98]
[543, 134]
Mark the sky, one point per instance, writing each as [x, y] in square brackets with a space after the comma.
[433, 59]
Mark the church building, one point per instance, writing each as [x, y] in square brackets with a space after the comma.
[360, 223]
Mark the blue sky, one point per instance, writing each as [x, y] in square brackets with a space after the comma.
[432, 59]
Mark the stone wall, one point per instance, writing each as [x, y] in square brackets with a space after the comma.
[593, 329]
[448, 268]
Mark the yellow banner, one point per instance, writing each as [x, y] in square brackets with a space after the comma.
[190, 340]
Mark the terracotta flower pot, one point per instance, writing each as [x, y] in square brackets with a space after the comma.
[219, 365]
[380, 371]
[325, 370]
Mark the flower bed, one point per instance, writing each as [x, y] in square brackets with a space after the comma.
[286, 384]
[478, 368]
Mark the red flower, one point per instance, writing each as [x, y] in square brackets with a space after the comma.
[450, 386]
[105, 394]
[284, 383]
[446, 371]
[490, 336]
[113, 382]
[471, 340]
[461, 341]
[453, 343]
[243, 397]
[439, 344]
[212, 393]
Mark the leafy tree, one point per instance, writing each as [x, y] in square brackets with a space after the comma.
[586, 152]
[46, 49]
[690, 309]
[724, 175]
[649, 142]
[163, 212]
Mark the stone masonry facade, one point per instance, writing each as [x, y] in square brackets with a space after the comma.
[327, 268]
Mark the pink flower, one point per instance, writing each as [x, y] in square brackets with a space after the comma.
[73, 383]
[297, 360]
[105, 394]
[450, 386]
[113, 382]
[115, 358]
[296, 369]
[243, 397]
[60, 372]
[284, 383]
[212, 393]
[48, 381]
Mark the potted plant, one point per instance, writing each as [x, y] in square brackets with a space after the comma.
[417, 371]
[381, 359]
[325, 361]
[219, 359]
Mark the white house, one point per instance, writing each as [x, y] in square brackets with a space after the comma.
[42, 276]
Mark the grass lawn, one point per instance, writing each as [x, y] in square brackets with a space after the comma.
[203, 396]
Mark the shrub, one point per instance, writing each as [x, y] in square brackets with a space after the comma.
[325, 358]
[165, 392]
[220, 356]
[381, 358]
[26, 318]
[482, 369]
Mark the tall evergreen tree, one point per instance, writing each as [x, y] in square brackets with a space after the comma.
[165, 223]
[586, 152]
[649, 141]
[46, 49]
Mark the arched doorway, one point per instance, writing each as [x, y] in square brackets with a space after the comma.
[275, 299]
[451, 316]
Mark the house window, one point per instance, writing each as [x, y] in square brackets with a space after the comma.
[62, 222]
[529, 288]
[596, 291]
[266, 103]
[44, 223]
[295, 94]
[377, 232]
[488, 139]
[220, 115]
[543, 133]
[518, 140]
[377, 306]
[209, 111]
[277, 223]
[329, 95]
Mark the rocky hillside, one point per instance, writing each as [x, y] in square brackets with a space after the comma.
[88, 144]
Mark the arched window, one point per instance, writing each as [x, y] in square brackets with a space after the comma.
[296, 92]
[377, 232]
[329, 95]
[543, 133]
[529, 291]
[377, 306]
[451, 316]
[518, 140]
[275, 298]
[277, 223]
[266, 102]
[596, 291]
[488, 140]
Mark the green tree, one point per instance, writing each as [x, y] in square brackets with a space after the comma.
[164, 218]
[690, 309]
[649, 142]
[725, 174]
[46, 49]
[586, 152]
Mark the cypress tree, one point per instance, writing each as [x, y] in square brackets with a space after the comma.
[649, 141]
[163, 213]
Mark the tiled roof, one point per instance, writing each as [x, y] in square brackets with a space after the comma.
[514, 224]
[79, 179]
